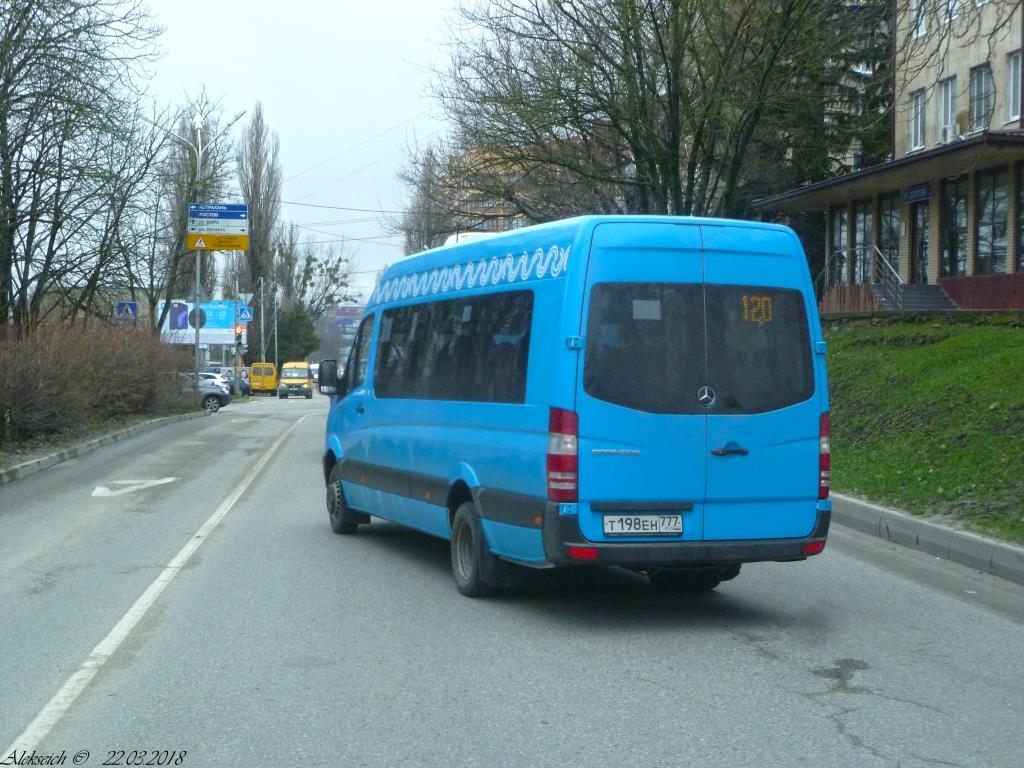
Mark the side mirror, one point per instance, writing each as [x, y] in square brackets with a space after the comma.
[328, 382]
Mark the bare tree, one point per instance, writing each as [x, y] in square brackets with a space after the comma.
[428, 219]
[315, 276]
[651, 106]
[259, 178]
[67, 80]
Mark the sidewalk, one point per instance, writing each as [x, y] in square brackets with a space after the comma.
[988, 555]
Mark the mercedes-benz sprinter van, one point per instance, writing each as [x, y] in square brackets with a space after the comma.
[647, 392]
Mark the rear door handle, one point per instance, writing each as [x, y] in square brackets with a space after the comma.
[730, 450]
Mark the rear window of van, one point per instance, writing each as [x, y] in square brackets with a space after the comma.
[651, 346]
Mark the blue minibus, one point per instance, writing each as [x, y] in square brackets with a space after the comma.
[639, 391]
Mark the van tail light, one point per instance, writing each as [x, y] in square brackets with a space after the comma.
[824, 456]
[814, 547]
[563, 455]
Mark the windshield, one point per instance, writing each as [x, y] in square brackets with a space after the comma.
[295, 373]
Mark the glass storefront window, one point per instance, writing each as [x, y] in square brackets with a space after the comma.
[1020, 217]
[991, 230]
[954, 227]
[838, 274]
[863, 239]
[889, 229]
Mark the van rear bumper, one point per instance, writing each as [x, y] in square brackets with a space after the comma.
[562, 532]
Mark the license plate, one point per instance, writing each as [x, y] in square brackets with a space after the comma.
[643, 525]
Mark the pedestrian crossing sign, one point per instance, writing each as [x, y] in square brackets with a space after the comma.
[245, 314]
[127, 311]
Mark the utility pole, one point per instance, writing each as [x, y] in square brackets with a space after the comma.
[276, 364]
[263, 322]
[198, 254]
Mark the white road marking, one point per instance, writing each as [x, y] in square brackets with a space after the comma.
[130, 486]
[55, 709]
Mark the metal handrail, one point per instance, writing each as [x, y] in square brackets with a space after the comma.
[887, 276]
[881, 273]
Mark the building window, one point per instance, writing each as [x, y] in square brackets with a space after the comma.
[839, 234]
[981, 97]
[889, 229]
[919, 18]
[1020, 217]
[917, 114]
[863, 240]
[990, 234]
[954, 227]
[947, 110]
[952, 10]
[1013, 86]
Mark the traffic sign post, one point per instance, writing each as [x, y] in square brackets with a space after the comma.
[217, 227]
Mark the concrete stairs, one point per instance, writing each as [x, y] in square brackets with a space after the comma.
[917, 298]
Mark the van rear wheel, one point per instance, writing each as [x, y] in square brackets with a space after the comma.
[471, 559]
[691, 580]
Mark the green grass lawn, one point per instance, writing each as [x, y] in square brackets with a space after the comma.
[928, 417]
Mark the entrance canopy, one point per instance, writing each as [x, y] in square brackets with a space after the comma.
[976, 152]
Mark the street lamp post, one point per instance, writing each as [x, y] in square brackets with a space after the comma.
[197, 121]
[197, 149]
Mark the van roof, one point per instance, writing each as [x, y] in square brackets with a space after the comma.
[500, 258]
[295, 365]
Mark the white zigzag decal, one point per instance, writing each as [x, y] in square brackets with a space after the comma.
[507, 269]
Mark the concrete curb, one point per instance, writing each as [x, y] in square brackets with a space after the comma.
[19, 471]
[995, 557]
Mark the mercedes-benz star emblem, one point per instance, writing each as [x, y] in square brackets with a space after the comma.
[706, 396]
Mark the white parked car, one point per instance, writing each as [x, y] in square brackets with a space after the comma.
[217, 379]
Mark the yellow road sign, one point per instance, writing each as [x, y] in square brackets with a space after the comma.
[198, 242]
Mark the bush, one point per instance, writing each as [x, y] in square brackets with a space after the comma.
[63, 379]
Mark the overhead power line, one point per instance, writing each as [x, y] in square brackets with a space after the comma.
[376, 136]
[337, 207]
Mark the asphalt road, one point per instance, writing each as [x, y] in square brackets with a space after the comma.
[277, 643]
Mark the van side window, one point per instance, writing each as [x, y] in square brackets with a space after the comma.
[473, 349]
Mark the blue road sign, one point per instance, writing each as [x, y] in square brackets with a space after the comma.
[218, 207]
[127, 311]
[245, 314]
[204, 215]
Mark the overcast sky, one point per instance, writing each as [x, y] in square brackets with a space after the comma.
[345, 85]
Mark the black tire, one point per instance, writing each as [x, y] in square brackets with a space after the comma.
[343, 520]
[472, 561]
[211, 403]
[282, 397]
[691, 580]
[309, 395]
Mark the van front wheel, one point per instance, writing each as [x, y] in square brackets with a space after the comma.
[343, 519]
[471, 559]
